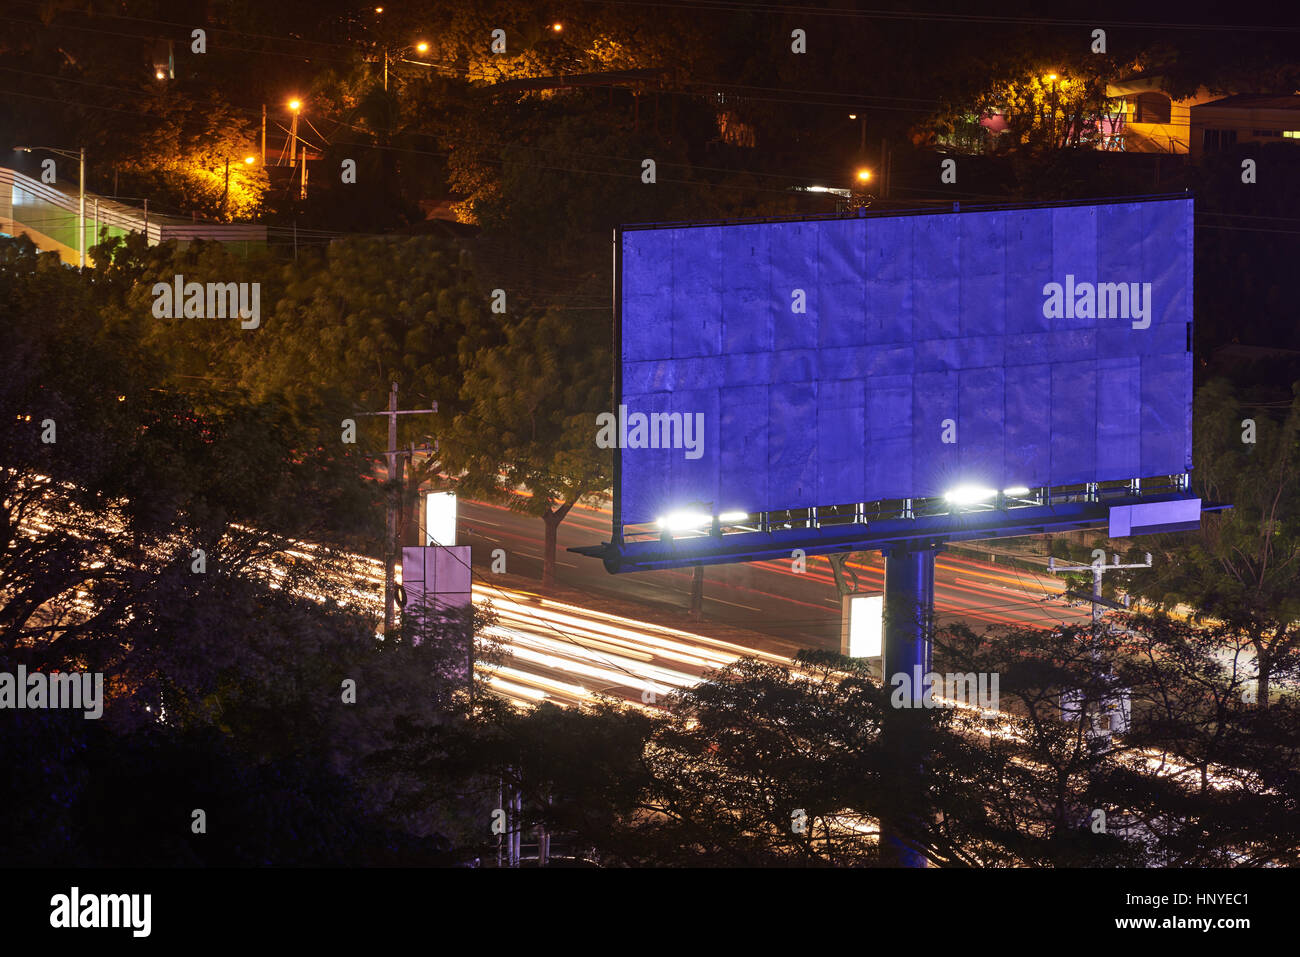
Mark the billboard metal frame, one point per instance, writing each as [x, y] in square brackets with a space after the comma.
[909, 532]
[916, 532]
[907, 523]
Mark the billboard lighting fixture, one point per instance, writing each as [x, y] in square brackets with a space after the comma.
[974, 494]
[683, 521]
[693, 521]
[969, 495]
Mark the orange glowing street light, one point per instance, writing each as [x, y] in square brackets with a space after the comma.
[420, 46]
[557, 27]
[250, 160]
[1052, 77]
[294, 106]
[864, 175]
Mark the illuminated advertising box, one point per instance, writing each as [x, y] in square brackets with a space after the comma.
[798, 364]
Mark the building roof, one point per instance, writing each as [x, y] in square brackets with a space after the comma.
[1255, 101]
[1139, 83]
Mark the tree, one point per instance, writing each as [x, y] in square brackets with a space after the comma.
[558, 197]
[337, 329]
[581, 773]
[767, 764]
[160, 541]
[1194, 712]
[1242, 567]
[1046, 102]
[527, 434]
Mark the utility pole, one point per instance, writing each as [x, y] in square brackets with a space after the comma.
[501, 804]
[225, 193]
[515, 828]
[861, 119]
[395, 460]
[394, 501]
[1098, 569]
[1051, 117]
[543, 845]
[886, 167]
[81, 227]
[263, 136]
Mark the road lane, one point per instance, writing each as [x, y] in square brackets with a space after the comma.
[767, 597]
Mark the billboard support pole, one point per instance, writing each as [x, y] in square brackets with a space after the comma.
[616, 506]
[909, 613]
[908, 627]
[697, 594]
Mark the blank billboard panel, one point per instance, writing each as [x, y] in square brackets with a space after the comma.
[784, 365]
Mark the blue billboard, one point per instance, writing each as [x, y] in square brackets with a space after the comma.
[797, 364]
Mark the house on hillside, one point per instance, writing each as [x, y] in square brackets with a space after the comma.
[1151, 120]
[1245, 118]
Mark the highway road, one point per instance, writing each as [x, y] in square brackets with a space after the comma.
[568, 654]
[627, 636]
[795, 610]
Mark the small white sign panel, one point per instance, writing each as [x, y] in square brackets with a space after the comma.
[866, 625]
[440, 518]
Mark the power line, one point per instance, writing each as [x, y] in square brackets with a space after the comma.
[778, 9]
[955, 18]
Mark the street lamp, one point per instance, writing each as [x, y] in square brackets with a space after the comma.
[225, 193]
[420, 47]
[1051, 77]
[859, 198]
[294, 106]
[81, 213]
